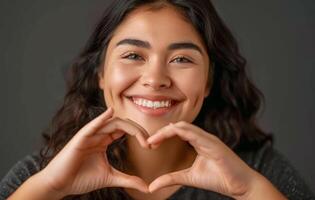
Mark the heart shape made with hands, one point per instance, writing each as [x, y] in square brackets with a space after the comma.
[230, 175]
[81, 165]
[151, 147]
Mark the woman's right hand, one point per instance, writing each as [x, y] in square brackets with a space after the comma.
[82, 165]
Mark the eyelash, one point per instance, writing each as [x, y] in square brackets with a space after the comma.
[128, 56]
[132, 55]
[183, 58]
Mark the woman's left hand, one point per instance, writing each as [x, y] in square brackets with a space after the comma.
[216, 167]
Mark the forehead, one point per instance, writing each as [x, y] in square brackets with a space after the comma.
[159, 27]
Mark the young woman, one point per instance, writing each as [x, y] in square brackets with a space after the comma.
[158, 106]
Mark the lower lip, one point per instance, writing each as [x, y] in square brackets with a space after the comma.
[152, 111]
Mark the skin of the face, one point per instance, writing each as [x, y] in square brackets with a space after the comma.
[153, 68]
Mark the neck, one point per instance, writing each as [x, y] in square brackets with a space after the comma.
[172, 155]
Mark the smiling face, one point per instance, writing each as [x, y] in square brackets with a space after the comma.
[155, 69]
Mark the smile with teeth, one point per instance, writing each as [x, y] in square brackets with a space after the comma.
[152, 104]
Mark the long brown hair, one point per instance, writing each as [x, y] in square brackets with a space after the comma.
[229, 111]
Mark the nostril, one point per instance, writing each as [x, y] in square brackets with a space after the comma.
[157, 84]
[156, 80]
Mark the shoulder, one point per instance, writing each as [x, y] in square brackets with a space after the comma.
[20, 172]
[278, 169]
[269, 162]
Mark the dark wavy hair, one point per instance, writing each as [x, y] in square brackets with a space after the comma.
[229, 111]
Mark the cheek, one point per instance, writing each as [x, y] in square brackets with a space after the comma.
[117, 80]
[192, 84]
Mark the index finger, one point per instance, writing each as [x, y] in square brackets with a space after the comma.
[170, 131]
[94, 125]
[117, 124]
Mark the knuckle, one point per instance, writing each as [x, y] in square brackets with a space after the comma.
[181, 123]
[171, 178]
[116, 123]
[192, 138]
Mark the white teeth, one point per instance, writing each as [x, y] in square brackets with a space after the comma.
[152, 104]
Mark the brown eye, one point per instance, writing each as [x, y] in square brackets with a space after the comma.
[132, 56]
[181, 59]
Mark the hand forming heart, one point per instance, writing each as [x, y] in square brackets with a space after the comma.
[216, 168]
[81, 166]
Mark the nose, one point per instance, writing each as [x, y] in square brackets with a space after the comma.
[155, 76]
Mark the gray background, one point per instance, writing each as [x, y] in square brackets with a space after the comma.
[38, 39]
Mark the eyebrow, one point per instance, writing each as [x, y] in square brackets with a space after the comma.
[184, 45]
[173, 46]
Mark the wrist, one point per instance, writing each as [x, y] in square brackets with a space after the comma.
[36, 188]
[43, 184]
[261, 188]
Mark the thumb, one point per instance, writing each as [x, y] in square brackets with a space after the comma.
[120, 179]
[174, 178]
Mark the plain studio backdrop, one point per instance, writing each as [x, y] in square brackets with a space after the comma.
[39, 39]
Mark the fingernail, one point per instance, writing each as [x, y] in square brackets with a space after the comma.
[149, 140]
[146, 190]
[109, 109]
[151, 190]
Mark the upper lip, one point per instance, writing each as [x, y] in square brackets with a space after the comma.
[154, 97]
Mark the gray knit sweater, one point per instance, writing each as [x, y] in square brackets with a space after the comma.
[266, 160]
